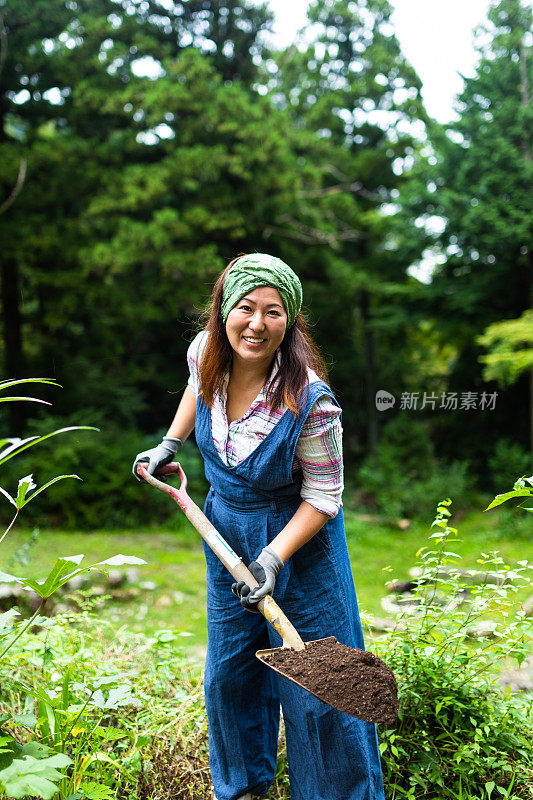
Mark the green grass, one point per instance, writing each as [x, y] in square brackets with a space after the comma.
[176, 564]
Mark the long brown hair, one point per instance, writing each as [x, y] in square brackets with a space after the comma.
[297, 350]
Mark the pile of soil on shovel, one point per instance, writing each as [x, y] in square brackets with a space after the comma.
[352, 680]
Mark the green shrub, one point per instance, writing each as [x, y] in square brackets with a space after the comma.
[109, 496]
[508, 460]
[458, 735]
[403, 478]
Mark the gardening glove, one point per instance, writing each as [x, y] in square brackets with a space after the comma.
[157, 457]
[265, 570]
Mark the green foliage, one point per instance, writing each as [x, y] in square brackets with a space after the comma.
[16, 446]
[510, 349]
[469, 207]
[36, 777]
[32, 768]
[508, 459]
[403, 478]
[519, 490]
[109, 496]
[458, 735]
[310, 152]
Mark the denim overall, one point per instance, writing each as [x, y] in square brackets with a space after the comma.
[331, 755]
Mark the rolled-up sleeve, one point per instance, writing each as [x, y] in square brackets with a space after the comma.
[319, 454]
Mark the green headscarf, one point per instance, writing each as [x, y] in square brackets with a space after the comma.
[259, 269]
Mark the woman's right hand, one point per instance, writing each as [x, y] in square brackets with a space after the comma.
[157, 457]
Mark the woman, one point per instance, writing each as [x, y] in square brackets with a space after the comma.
[268, 428]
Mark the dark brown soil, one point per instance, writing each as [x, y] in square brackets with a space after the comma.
[354, 681]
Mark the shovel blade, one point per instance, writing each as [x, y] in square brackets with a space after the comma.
[351, 680]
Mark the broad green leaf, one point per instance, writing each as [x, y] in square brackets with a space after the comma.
[25, 485]
[119, 559]
[34, 777]
[52, 582]
[502, 498]
[62, 572]
[120, 696]
[6, 578]
[98, 699]
[77, 559]
[96, 791]
[110, 734]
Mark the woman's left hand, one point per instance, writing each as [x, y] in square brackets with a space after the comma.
[265, 570]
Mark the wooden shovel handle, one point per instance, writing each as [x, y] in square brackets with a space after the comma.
[267, 605]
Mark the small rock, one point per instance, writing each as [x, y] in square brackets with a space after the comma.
[132, 575]
[60, 608]
[381, 624]
[123, 595]
[400, 587]
[482, 629]
[528, 606]
[520, 680]
[116, 578]
[10, 595]
[76, 583]
[149, 586]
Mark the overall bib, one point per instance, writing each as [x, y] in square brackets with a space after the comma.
[331, 755]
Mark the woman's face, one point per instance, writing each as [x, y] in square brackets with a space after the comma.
[256, 325]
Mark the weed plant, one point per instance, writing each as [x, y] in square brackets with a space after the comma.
[459, 735]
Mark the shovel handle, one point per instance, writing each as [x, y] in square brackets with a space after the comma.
[267, 605]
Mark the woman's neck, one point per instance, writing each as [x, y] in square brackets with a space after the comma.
[249, 375]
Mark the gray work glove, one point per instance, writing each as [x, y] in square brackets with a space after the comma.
[265, 570]
[157, 457]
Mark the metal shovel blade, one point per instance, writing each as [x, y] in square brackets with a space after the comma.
[353, 681]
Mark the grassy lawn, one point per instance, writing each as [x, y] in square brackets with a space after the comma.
[176, 564]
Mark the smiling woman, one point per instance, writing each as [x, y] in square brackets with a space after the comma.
[268, 428]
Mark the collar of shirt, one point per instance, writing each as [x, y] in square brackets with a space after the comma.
[269, 384]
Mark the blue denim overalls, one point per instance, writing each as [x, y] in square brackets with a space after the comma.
[331, 755]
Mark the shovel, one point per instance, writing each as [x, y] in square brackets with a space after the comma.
[351, 680]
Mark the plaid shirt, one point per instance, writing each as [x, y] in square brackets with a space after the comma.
[318, 452]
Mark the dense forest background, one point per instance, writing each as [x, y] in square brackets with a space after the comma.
[145, 144]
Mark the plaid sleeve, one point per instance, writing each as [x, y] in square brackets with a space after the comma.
[194, 355]
[319, 454]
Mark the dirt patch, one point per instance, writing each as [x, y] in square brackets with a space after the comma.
[352, 680]
[175, 771]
